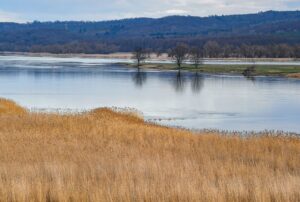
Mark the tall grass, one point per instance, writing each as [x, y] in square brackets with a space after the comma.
[107, 156]
[10, 107]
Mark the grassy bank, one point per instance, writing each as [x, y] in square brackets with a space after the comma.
[260, 70]
[103, 155]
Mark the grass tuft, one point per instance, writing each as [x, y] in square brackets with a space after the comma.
[10, 107]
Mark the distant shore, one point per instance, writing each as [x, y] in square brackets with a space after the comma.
[288, 71]
[127, 55]
[162, 63]
[69, 55]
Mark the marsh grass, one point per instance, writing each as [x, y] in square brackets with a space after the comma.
[10, 107]
[104, 155]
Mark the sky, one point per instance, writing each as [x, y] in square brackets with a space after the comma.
[96, 10]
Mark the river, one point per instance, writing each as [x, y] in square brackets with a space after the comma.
[189, 100]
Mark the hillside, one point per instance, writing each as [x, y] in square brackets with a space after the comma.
[265, 28]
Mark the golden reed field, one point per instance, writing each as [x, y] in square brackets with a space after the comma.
[103, 155]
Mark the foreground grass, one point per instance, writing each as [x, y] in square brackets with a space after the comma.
[107, 156]
[260, 70]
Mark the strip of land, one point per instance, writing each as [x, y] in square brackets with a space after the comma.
[103, 155]
[128, 55]
[70, 55]
[292, 71]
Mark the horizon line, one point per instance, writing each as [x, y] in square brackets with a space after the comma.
[132, 18]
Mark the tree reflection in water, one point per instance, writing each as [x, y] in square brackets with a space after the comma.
[197, 83]
[179, 83]
[250, 78]
[139, 78]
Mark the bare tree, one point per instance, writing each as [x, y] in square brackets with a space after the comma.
[212, 49]
[179, 54]
[196, 56]
[159, 52]
[139, 55]
[297, 51]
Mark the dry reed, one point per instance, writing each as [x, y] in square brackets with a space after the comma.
[108, 156]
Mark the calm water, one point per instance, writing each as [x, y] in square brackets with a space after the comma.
[187, 100]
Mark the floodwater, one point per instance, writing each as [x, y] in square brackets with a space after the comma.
[189, 100]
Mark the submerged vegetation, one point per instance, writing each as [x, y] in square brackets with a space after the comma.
[104, 155]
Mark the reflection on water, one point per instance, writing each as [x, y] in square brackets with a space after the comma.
[250, 78]
[197, 82]
[191, 100]
[179, 82]
[181, 79]
[139, 78]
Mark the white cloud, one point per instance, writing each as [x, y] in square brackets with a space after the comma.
[9, 17]
[176, 12]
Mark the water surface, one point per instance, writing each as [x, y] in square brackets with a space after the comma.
[190, 100]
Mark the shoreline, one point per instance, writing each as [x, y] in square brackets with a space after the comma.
[161, 63]
[128, 55]
[9, 107]
[285, 71]
[242, 133]
[69, 55]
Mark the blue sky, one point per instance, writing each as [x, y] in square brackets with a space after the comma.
[94, 10]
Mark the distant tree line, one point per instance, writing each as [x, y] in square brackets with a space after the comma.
[75, 47]
[210, 49]
[182, 53]
[213, 49]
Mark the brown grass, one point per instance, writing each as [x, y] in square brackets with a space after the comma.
[107, 156]
[294, 75]
[10, 107]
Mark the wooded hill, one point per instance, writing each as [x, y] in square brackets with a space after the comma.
[267, 30]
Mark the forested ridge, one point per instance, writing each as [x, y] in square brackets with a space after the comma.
[265, 34]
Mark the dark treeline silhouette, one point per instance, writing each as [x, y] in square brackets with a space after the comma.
[266, 34]
[213, 49]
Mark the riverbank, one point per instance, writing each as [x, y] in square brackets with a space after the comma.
[294, 75]
[128, 55]
[290, 71]
[69, 55]
[104, 155]
[264, 66]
